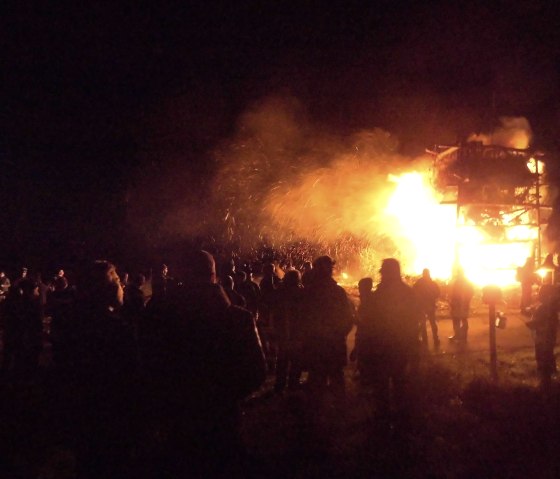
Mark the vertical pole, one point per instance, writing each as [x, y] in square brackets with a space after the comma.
[493, 352]
[538, 201]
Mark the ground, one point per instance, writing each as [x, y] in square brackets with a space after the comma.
[462, 424]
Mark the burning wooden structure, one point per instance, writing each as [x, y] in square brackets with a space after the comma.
[500, 194]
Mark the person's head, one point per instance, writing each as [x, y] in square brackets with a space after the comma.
[60, 283]
[200, 267]
[426, 273]
[365, 285]
[60, 273]
[268, 268]
[390, 270]
[138, 280]
[247, 268]
[2, 274]
[164, 270]
[101, 283]
[28, 288]
[24, 272]
[230, 265]
[227, 281]
[323, 267]
[240, 277]
[292, 278]
[307, 266]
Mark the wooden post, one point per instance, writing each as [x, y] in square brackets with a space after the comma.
[493, 351]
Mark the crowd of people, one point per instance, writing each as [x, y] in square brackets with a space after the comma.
[188, 349]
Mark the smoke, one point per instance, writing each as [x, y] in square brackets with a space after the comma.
[514, 132]
[283, 179]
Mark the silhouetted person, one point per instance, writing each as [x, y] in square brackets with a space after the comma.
[269, 281]
[234, 297]
[329, 318]
[268, 285]
[125, 279]
[4, 285]
[389, 338]
[526, 276]
[101, 372]
[161, 282]
[365, 291]
[544, 323]
[228, 268]
[23, 328]
[307, 273]
[460, 296]
[134, 298]
[22, 275]
[427, 291]
[44, 288]
[287, 312]
[60, 302]
[250, 290]
[215, 361]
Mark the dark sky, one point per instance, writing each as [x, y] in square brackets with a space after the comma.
[84, 88]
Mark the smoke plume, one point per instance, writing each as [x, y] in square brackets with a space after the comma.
[513, 132]
[283, 179]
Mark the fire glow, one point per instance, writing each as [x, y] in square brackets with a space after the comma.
[432, 235]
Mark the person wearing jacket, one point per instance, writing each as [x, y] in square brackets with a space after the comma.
[329, 317]
[215, 360]
[389, 338]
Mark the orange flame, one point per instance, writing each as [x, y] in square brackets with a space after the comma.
[433, 235]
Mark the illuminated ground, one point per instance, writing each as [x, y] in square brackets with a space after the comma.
[462, 424]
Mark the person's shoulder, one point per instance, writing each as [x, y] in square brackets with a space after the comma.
[239, 313]
[335, 286]
[239, 318]
[405, 288]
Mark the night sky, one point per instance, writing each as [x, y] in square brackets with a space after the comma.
[95, 96]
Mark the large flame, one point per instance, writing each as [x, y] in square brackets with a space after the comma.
[286, 183]
[425, 226]
[437, 237]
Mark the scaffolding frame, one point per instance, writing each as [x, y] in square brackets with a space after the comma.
[496, 183]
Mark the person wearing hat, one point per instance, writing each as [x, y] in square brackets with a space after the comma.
[389, 338]
[329, 317]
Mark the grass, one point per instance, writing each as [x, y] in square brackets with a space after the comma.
[461, 425]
